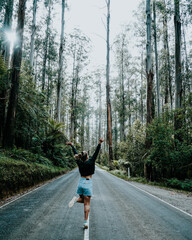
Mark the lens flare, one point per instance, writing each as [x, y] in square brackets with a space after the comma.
[11, 36]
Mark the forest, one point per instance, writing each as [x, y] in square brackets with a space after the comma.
[140, 102]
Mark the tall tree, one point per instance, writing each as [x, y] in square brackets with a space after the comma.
[123, 59]
[149, 72]
[167, 60]
[7, 28]
[9, 133]
[46, 41]
[60, 72]
[156, 58]
[33, 32]
[78, 49]
[178, 77]
[109, 115]
[6, 57]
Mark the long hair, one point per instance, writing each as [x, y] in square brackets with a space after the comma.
[81, 156]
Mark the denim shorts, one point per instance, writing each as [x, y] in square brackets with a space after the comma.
[85, 187]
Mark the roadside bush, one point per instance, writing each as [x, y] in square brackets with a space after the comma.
[27, 156]
[169, 157]
[131, 152]
[52, 145]
[18, 175]
[104, 159]
[184, 185]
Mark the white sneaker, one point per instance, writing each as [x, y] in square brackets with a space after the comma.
[85, 225]
[72, 202]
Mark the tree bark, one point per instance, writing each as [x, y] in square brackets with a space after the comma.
[6, 58]
[156, 58]
[9, 134]
[46, 44]
[122, 93]
[167, 56]
[7, 28]
[187, 75]
[109, 118]
[178, 78]
[33, 32]
[149, 73]
[141, 90]
[60, 72]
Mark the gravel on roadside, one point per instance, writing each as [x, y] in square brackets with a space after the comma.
[177, 198]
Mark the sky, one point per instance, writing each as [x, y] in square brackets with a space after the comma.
[90, 17]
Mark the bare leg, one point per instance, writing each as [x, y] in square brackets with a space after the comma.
[87, 200]
[80, 199]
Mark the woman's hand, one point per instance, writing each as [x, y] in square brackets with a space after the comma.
[69, 143]
[101, 140]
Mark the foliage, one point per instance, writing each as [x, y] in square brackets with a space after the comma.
[52, 145]
[19, 175]
[168, 156]
[26, 156]
[184, 185]
[104, 159]
[133, 149]
[32, 115]
[3, 74]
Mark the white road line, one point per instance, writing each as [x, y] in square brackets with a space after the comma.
[190, 215]
[86, 232]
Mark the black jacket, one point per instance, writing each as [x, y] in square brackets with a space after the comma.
[88, 167]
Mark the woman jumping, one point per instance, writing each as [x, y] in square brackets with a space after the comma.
[86, 166]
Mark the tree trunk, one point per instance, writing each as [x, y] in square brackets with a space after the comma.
[6, 57]
[7, 28]
[141, 90]
[166, 72]
[178, 77]
[32, 44]
[122, 94]
[72, 112]
[156, 59]
[109, 118]
[46, 44]
[60, 72]
[9, 134]
[187, 75]
[116, 136]
[149, 73]
[168, 55]
[100, 107]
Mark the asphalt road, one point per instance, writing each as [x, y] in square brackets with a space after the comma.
[119, 211]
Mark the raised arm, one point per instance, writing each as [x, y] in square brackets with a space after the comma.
[97, 150]
[73, 148]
